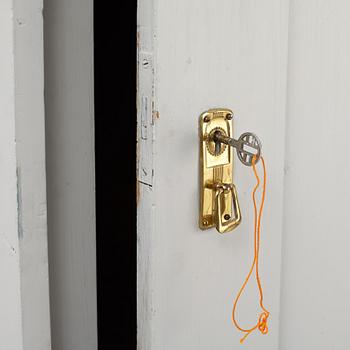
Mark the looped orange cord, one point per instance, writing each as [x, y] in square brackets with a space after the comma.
[263, 318]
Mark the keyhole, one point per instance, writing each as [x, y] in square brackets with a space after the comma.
[218, 144]
[217, 147]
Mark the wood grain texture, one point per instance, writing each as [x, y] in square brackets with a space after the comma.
[207, 54]
[70, 173]
[315, 286]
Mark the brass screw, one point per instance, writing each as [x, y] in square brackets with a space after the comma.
[206, 119]
[205, 222]
[227, 217]
[229, 116]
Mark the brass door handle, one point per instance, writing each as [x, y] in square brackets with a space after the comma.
[226, 193]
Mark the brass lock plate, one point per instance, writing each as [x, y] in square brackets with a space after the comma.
[216, 167]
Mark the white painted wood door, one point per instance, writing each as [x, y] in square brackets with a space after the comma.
[283, 67]
[196, 55]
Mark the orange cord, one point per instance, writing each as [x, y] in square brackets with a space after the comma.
[262, 321]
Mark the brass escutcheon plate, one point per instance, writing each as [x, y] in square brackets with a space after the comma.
[215, 167]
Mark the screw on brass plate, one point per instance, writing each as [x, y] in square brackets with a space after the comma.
[207, 119]
[227, 217]
[205, 222]
[229, 116]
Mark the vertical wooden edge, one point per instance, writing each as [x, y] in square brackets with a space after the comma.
[31, 173]
[284, 83]
[10, 295]
[146, 118]
[71, 189]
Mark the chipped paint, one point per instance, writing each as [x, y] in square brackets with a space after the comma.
[155, 116]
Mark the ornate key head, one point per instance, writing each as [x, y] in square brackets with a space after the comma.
[248, 145]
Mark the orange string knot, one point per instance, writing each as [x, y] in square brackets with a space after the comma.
[262, 325]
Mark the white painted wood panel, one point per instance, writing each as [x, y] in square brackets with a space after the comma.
[315, 285]
[207, 54]
[24, 294]
[10, 303]
[31, 174]
[71, 172]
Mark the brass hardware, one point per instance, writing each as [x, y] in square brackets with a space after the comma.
[226, 193]
[219, 205]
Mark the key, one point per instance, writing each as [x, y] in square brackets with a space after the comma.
[247, 146]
